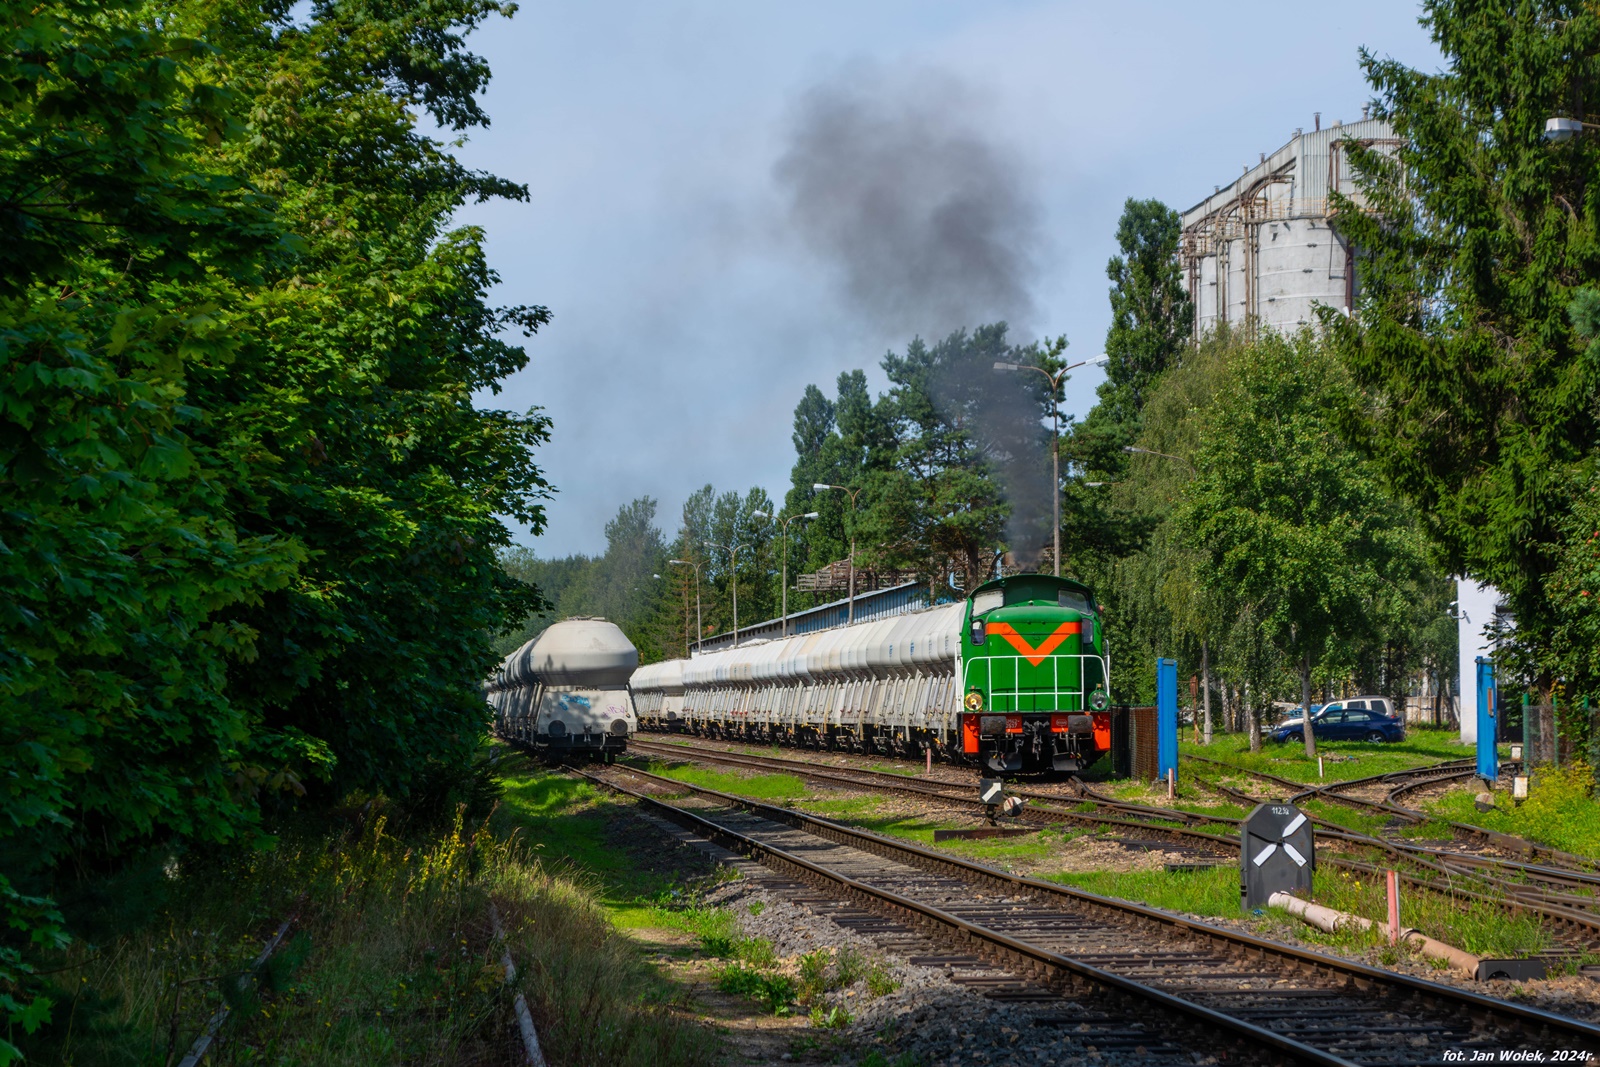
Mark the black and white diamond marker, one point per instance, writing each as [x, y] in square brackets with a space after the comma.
[1277, 854]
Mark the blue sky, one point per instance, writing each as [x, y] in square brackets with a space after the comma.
[698, 286]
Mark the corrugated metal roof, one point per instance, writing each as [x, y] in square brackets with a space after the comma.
[1295, 178]
[877, 604]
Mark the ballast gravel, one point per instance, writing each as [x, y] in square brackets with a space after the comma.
[934, 1018]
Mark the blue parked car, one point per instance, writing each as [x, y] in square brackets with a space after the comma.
[1362, 719]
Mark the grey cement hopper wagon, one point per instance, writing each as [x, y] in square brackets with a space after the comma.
[565, 693]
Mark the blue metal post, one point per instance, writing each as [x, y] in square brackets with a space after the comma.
[1167, 717]
[1488, 722]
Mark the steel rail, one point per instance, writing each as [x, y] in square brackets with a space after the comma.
[206, 1041]
[858, 777]
[1003, 946]
[1519, 1017]
[1515, 898]
[904, 783]
[1508, 842]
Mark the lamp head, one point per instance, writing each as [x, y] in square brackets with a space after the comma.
[811, 515]
[1098, 361]
[821, 485]
[1130, 448]
[759, 515]
[680, 562]
[1558, 128]
[1006, 368]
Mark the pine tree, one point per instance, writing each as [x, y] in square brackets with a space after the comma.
[1473, 244]
[1151, 320]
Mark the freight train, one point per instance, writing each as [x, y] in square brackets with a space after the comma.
[564, 694]
[1016, 678]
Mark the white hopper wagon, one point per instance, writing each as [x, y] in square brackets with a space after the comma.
[565, 693]
[892, 686]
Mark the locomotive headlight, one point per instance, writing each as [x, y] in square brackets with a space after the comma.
[1099, 699]
[974, 701]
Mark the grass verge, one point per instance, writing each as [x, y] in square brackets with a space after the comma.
[1560, 811]
[756, 786]
[1480, 928]
[390, 962]
[1342, 760]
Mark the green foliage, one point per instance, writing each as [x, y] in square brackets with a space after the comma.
[951, 464]
[1572, 592]
[1144, 568]
[876, 1058]
[1560, 810]
[626, 585]
[830, 1018]
[1296, 538]
[823, 970]
[775, 991]
[1475, 252]
[1230, 406]
[838, 442]
[369, 345]
[970, 472]
[1151, 320]
[248, 509]
[389, 961]
[880, 983]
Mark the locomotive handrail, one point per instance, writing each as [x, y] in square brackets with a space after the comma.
[1056, 692]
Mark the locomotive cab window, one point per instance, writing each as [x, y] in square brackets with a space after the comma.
[1074, 601]
[988, 601]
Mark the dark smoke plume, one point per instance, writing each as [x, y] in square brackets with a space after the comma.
[896, 181]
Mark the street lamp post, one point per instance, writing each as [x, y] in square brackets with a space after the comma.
[700, 626]
[785, 579]
[850, 611]
[733, 552]
[1055, 450]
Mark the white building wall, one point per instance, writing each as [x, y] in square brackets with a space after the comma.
[1475, 604]
[1263, 246]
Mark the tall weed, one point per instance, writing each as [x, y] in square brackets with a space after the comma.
[1560, 810]
[390, 961]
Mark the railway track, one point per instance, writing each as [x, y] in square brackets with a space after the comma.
[1178, 985]
[1404, 782]
[1560, 898]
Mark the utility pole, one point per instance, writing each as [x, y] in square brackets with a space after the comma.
[784, 624]
[733, 551]
[850, 612]
[700, 626]
[1055, 448]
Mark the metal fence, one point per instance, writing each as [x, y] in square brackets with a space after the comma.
[1143, 752]
[1551, 735]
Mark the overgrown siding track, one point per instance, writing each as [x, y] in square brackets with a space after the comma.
[1224, 989]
